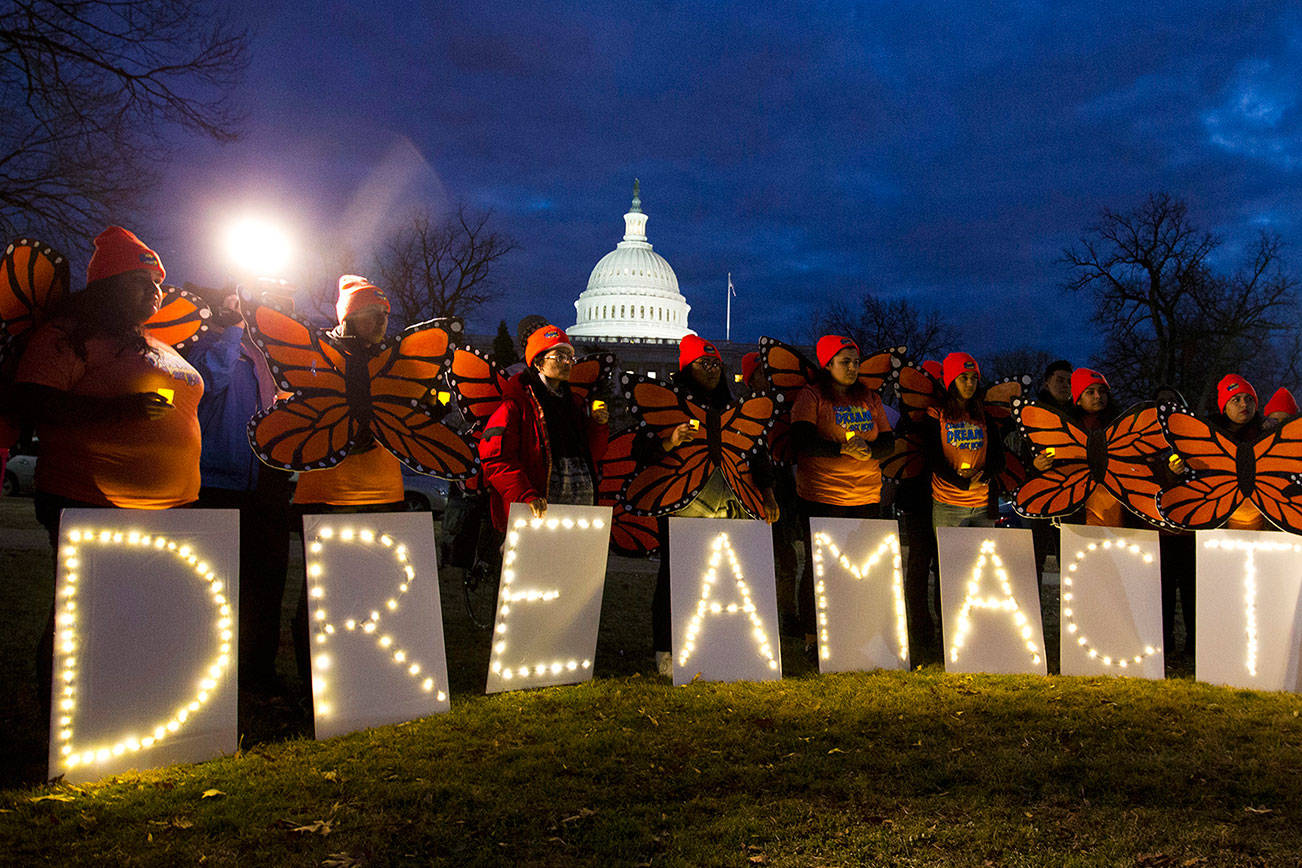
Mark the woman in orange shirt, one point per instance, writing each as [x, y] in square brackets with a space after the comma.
[1091, 410]
[839, 432]
[963, 449]
[1238, 419]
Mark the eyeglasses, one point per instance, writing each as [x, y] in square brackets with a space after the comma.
[708, 362]
[561, 358]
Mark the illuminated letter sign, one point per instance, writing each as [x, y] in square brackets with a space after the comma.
[990, 601]
[144, 659]
[1111, 602]
[723, 600]
[549, 597]
[1249, 584]
[377, 630]
[861, 618]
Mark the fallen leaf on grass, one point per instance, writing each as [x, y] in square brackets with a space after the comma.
[340, 860]
[52, 797]
[331, 775]
[1262, 810]
[759, 859]
[835, 750]
[582, 814]
[212, 794]
[319, 827]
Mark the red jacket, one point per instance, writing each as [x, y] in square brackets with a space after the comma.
[514, 451]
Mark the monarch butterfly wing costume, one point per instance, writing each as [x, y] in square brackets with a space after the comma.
[1208, 495]
[676, 477]
[402, 374]
[741, 429]
[589, 374]
[181, 318]
[919, 391]
[33, 278]
[1135, 442]
[630, 534]
[1279, 475]
[1064, 487]
[882, 369]
[476, 382]
[315, 426]
[788, 371]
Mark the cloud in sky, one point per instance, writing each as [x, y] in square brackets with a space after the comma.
[938, 152]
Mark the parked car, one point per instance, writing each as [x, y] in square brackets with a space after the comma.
[424, 493]
[20, 475]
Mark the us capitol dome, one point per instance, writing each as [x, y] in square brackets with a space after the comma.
[632, 293]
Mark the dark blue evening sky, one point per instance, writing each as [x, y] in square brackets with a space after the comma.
[943, 152]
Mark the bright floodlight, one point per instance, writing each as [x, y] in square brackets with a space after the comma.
[258, 247]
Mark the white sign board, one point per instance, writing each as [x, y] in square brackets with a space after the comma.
[1247, 620]
[723, 600]
[549, 597]
[1111, 590]
[145, 639]
[990, 601]
[375, 623]
[859, 594]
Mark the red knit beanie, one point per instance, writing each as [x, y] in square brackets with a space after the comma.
[749, 363]
[355, 293]
[955, 364]
[1082, 379]
[829, 345]
[118, 251]
[1280, 402]
[692, 347]
[931, 366]
[1231, 385]
[544, 339]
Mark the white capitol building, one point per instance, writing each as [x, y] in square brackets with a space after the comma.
[632, 293]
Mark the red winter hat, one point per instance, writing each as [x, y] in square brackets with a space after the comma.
[829, 345]
[1231, 385]
[544, 339]
[1083, 378]
[692, 347]
[1280, 402]
[749, 363]
[118, 251]
[931, 366]
[355, 293]
[955, 364]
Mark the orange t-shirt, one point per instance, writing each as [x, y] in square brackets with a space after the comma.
[963, 444]
[361, 479]
[133, 463]
[841, 479]
[1102, 509]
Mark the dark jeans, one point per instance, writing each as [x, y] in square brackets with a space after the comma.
[1179, 572]
[813, 509]
[264, 561]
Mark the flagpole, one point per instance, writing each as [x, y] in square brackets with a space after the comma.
[727, 334]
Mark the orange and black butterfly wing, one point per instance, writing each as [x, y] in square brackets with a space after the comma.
[301, 358]
[1209, 493]
[180, 319]
[787, 369]
[1063, 488]
[1000, 394]
[1278, 488]
[907, 460]
[33, 278]
[631, 534]
[676, 477]
[476, 382]
[590, 373]
[403, 373]
[741, 436]
[1135, 442]
[919, 391]
[304, 433]
[880, 370]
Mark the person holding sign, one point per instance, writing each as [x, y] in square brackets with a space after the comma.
[116, 410]
[542, 443]
[839, 433]
[962, 448]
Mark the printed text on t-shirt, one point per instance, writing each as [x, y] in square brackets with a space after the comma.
[854, 418]
[964, 435]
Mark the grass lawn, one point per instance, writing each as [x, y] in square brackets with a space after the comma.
[883, 768]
